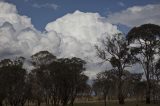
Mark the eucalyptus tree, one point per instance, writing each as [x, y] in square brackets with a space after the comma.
[105, 83]
[139, 90]
[157, 71]
[40, 75]
[67, 76]
[115, 50]
[157, 78]
[80, 87]
[156, 86]
[3, 79]
[144, 42]
[78, 80]
[13, 76]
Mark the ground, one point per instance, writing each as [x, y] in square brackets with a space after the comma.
[114, 104]
[128, 103]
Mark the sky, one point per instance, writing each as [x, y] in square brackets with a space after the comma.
[45, 11]
[69, 28]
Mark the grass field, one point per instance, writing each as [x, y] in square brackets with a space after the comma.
[115, 104]
[108, 104]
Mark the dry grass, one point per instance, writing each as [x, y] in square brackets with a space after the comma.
[109, 104]
[115, 104]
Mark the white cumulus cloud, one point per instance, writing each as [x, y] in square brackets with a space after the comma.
[82, 26]
[79, 33]
[74, 34]
[9, 13]
[137, 15]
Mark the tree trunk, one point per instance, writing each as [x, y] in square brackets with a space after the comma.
[148, 96]
[120, 92]
[1, 104]
[6, 103]
[47, 101]
[54, 101]
[28, 102]
[64, 103]
[148, 90]
[52, 104]
[72, 101]
[154, 96]
[22, 104]
[121, 99]
[105, 102]
[39, 103]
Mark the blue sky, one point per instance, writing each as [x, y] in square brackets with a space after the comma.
[44, 14]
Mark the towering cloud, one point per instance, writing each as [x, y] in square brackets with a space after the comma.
[74, 34]
[82, 26]
[17, 34]
[80, 31]
[9, 13]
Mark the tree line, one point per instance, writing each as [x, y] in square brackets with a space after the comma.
[53, 81]
[58, 81]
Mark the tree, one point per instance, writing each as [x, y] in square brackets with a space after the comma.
[13, 74]
[67, 76]
[144, 42]
[157, 71]
[80, 86]
[3, 79]
[139, 90]
[42, 58]
[40, 75]
[104, 83]
[156, 87]
[115, 50]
